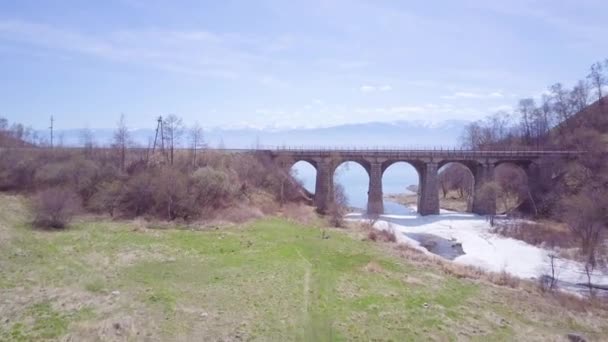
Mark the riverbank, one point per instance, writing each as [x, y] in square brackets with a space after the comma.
[484, 249]
[451, 202]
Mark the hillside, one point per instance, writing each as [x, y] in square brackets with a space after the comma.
[7, 140]
[265, 280]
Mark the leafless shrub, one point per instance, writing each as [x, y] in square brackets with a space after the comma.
[170, 194]
[54, 208]
[213, 188]
[585, 215]
[136, 198]
[384, 235]
[547, 282]
[504, 278]
[456, 177]
[107, 198]
[17, 171]
[78, 173]
[372, 235]
[512, 187]
[337, 208]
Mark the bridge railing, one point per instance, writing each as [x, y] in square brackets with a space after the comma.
[443, 151]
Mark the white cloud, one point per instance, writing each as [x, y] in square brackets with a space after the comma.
[371, 88]
[473, 95]
[367, 88]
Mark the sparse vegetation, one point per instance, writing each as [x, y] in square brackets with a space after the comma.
[120, 280]
[54, 208]
[124, 181]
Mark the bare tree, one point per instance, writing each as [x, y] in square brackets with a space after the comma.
[122, 140]
[174, 129]
[196, 141]
[562, 106]
[527, 109]
[87, 140]
[456, 177]
[597, 79]
[585, 215]
[338, 206]
[549, 279]
[471, 137]
[580, 96]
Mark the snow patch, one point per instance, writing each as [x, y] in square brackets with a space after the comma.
[484, 249]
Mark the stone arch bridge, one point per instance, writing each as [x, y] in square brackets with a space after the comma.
[426, 162]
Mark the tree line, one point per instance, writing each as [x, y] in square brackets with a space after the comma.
[161, 180]
[548, 122]
[574, 189]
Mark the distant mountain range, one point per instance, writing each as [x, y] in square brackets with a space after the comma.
[414, 134]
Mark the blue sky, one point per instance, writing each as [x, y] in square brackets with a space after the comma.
[276, 63]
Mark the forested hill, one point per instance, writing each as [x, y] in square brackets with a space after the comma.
[565, 118]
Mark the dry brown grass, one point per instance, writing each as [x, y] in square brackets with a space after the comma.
[383, 235]
[300, 213]
[264, 201]
[546, 233]
[451, 202]
[373, 267]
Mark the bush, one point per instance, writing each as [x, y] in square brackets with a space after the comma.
[136, 197]
[213, 188]
[107, 198]
[17, 171]
[78, 173]
[170, 194]
[55, 208]
[382, 235]
[338, 207]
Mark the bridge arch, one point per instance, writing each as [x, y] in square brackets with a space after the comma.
[513, 179]
[353, 177]
[305, 171]
[398, 176]
[458, 176]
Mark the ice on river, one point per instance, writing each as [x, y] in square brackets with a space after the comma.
[484, 249]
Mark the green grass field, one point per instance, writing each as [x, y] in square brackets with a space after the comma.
[267, 280]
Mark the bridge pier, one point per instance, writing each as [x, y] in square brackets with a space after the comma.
[375, 201]
[324, 186]
[484, 200]
[428, 203]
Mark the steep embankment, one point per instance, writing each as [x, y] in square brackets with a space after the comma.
[268, 280]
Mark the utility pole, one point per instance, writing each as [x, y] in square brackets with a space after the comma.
[159, 129]
[160, 133]
[51, 128]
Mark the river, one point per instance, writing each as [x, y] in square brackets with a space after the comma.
[461, 237]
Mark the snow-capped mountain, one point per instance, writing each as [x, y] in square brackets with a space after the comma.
[414, 134]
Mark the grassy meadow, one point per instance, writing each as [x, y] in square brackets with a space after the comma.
[271, 279]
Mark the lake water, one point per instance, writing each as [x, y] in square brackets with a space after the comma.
[355, 181]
